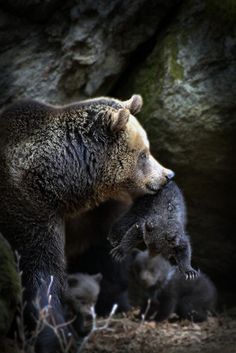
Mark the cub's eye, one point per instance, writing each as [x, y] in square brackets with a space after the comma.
[143, 155]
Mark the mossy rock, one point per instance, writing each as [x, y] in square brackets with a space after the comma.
[188, 83]
[10, 288]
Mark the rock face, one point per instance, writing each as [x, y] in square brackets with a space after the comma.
[9, 286]
[79, 50]
[189, 83]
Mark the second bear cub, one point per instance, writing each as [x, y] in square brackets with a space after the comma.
[160, 290]
[159, 220]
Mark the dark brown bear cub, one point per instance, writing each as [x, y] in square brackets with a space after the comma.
[154, 279]
[158, 220]
[80, 299]
[60, 160]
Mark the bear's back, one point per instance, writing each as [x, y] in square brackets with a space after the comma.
[23, 118]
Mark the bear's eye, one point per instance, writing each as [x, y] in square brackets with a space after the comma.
[143, 155]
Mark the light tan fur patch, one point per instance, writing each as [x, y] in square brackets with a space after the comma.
[137, 136]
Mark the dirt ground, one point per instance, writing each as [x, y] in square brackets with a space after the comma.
[130, 335]
[127, 334]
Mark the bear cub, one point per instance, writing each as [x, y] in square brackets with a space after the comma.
[155, 279]
[80, 297]
[159, 220]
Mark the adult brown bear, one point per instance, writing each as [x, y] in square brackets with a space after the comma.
[59, 160]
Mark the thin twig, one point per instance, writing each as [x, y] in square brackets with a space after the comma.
[144, 315]
[96, 328]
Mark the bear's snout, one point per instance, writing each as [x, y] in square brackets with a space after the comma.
[159, 175]
[169, 174]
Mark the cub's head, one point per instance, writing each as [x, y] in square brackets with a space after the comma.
[162, 236]
[130, 166]
[82, 292]
[149, 271]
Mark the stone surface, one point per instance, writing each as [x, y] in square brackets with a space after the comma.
[9, 286]
[79, 51]
[189, 83]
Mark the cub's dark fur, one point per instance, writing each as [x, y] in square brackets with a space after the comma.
[88, 251]
[159, 220]
[80, 297]
[155, 279]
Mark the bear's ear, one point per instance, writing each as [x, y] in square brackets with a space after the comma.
[98, 277]
[118, 120]
[134, 104]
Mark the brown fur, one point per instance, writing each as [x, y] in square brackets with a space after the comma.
[56, 161]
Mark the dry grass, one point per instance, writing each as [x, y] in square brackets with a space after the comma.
[127, 334]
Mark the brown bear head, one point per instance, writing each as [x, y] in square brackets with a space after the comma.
[130, 167]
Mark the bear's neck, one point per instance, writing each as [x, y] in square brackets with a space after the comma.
[81, 164]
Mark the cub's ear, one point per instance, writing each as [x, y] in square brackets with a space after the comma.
[98, 277]
[134, 104]
[118, 120]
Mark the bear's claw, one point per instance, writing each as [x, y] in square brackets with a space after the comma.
[114, 242]
[118, 254]
[191, 274]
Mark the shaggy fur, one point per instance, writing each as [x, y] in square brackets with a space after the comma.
[158, 220]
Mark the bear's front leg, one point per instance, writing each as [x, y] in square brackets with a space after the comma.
[129, 241]
[42, 264]
[121, 228]
[44, 314]
[182, 257]
[168, 303]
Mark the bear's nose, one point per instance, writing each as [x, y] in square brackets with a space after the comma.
[170, 174]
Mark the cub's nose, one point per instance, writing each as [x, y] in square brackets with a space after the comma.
[170, 174]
